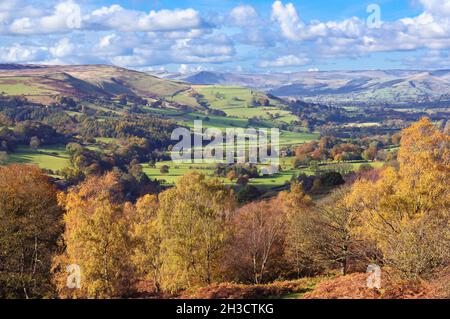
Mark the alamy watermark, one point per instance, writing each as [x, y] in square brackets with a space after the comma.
[74, 277]
[228, 146]
[374, 277]
[374, 19]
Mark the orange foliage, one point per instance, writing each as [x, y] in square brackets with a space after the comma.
[237, 291]
[354, 287]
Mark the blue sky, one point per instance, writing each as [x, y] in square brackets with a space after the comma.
[243, 36]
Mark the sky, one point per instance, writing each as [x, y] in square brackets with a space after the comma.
[229, 36]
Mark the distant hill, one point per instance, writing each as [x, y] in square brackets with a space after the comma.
[83, 81]
[205, 77]
[18, 66]
[395, 87]
[366, 88]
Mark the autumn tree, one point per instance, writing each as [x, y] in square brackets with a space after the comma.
[331, 232]
[147, 240]
[193, 217]
[30, 223]
[407, 211]
[370, 154]
[96, 238]
[298, 208]
[258, 242]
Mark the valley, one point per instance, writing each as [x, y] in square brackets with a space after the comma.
[171, 152]
[108, 94]
[96, 130]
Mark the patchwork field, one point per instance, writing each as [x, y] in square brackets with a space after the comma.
[176, 171]
[234, 101]
[239, 102]
[241, 106]
[56, 158]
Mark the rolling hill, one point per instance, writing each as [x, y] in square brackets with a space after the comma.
[44, 82]
[377, 87]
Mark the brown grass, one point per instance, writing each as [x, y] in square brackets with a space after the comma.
[354, 287]
[240, 291]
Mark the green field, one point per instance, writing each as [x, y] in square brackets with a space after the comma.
[22, 86]
[53, 158]
[224, 98]
[185, 99]
[237, 102]
[287, 138]
[176, 171]
[56, 158]
[295, 138]
[263, 112]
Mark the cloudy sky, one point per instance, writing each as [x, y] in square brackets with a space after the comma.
[247, 36]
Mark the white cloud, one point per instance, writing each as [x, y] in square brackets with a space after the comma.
[11, 9]
[353, 38]
[243, 16]
[432, 59]
[107, 40]
[62, 49]
[287, 17]
[284, 61]
[294, 29]
[18, 53]
[183, 69]
[109, 34]
[437, 7]
[68, 31]
[189, 34]
[65, 17]
[186, 69]
[117, 18]
[131, 61]
[214, 49]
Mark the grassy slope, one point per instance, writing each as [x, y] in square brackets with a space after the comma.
[23, 86]
[237, 102]
[117, 80]
[79, 81]
[54, 158]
